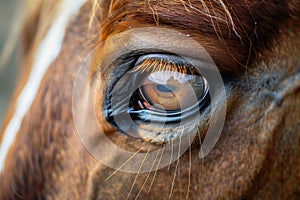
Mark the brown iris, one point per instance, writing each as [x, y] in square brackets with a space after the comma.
[171, 90]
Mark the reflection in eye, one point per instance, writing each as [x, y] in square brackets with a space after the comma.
[171, 90]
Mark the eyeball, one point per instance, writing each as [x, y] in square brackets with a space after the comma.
[171, 90]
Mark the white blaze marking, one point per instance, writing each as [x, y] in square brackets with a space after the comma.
[46, 54]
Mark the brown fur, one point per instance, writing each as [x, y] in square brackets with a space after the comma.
[257, 156]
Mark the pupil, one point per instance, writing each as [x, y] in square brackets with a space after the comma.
[164, 88]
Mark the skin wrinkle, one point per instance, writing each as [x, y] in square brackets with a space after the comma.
[253, 159]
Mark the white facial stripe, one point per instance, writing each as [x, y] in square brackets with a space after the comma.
[46, 54]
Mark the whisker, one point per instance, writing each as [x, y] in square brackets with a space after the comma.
[175, 172]
[221, 38]
[109, 177]
[141, 189]
[171, 155]
[184, 4]
[201, 149]
[230, 19]
[137, 174]
[179, 179]
[207, 13]
[156, 170]
[199, 136]
[190, 169]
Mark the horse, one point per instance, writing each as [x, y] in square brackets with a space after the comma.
[148, 79]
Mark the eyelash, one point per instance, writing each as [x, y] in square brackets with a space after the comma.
[153, 64]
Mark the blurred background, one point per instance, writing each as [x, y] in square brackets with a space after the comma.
[8, 75]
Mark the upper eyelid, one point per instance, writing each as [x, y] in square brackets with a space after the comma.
[117, 55]
[152, 40]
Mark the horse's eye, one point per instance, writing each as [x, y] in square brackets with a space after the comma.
[163, 89]
[171, 91]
